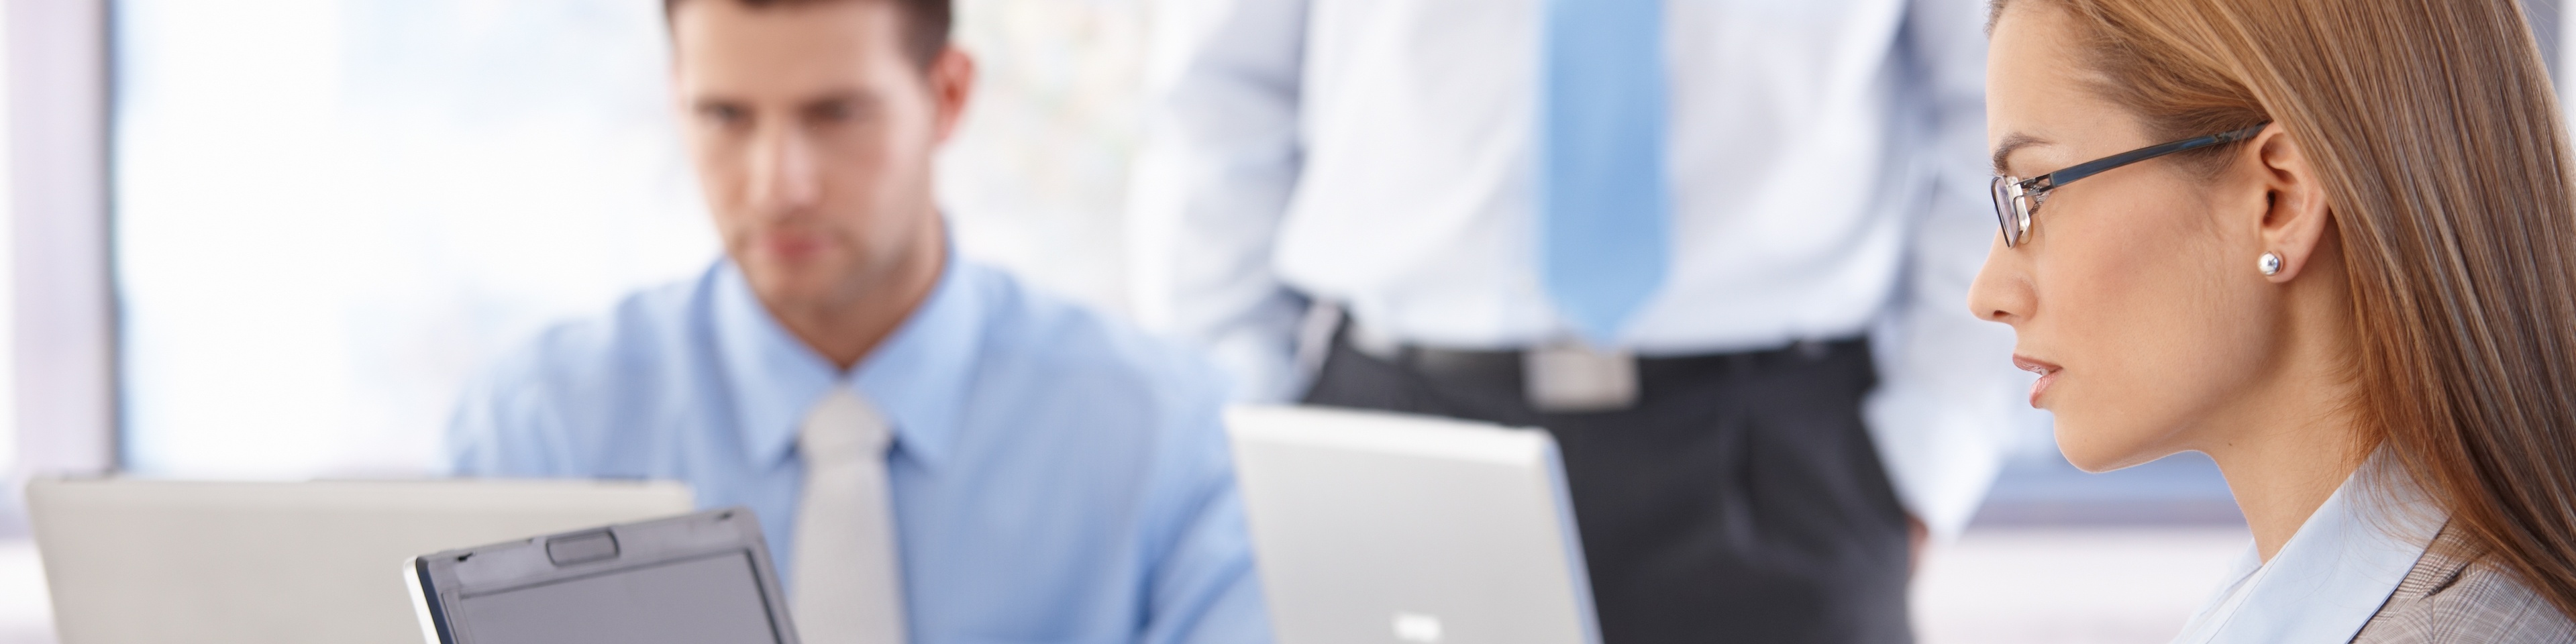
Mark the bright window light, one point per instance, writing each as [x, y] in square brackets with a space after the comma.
[332, 213]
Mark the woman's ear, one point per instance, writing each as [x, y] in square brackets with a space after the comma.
[2295, 213]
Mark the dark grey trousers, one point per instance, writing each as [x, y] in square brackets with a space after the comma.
[1740, 501]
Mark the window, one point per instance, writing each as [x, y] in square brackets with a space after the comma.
[331, 213]
[8, 281]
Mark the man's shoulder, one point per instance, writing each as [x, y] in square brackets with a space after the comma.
[554, 404]
[644, 331]
[1072, 348]
[1043, 330]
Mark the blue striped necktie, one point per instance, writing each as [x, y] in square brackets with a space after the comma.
[1603, 203]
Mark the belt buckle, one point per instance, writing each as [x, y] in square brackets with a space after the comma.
[1572, 377]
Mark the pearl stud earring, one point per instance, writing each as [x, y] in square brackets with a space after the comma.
[2270, 263]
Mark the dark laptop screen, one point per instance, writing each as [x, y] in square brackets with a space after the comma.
[714, 599]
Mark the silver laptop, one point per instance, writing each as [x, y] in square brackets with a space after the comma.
[1375, 527]
[696, 579]
[137, 561]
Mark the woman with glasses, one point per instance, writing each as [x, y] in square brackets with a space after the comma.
[2329, 243]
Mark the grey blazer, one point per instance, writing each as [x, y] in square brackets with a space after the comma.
[2446, 599]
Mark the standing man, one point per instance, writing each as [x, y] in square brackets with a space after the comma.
[936, 454]
[1716, 247]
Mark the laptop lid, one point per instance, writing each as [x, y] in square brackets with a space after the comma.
[283, 563]
[691, 579]
[1373, 527]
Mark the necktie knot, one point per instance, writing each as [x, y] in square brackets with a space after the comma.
[843, 426]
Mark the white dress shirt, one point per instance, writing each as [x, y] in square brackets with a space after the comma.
[2330, 578]
[1827, 159]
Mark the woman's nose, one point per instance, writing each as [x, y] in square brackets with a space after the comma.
[2002, 291]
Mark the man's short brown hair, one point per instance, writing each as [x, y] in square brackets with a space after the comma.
[926, 22]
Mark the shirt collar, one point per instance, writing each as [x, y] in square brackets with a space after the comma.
[917, 377]
[2334, 573]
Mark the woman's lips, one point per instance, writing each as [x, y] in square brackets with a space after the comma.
[2047, 375]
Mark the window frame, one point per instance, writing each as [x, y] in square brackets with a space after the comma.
[63, 304]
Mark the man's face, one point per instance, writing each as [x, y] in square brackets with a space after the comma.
[813, 134]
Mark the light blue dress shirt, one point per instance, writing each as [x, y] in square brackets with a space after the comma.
[1055, 477]
[2334, 574]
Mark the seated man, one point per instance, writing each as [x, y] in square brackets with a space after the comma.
[936, 453]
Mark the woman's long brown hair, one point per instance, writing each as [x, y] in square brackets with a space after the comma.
[2434, 129]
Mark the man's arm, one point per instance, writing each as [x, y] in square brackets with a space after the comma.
[1206, 590]
[1202, 587]
[1948, 408]
[1220, 161]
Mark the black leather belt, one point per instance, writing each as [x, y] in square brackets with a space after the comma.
[1504, 367]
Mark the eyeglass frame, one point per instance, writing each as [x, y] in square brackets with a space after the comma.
[2017, 199]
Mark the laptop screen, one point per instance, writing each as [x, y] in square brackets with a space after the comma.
[710, 599]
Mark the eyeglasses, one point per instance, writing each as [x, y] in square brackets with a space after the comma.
[2016, 198]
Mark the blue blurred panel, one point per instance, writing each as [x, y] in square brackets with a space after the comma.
[2041, 488]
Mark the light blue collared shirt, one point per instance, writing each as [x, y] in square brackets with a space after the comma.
[1055, 477]
[2333, 574]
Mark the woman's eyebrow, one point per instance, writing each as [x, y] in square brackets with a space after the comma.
[2013, 143]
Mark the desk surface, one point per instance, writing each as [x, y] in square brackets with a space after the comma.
[1967, 593]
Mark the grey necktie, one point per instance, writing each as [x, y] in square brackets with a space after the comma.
[849, 586]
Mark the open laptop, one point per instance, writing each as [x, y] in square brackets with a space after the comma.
[695, 579]
[1373, 527]
[139, 561]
